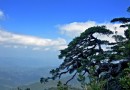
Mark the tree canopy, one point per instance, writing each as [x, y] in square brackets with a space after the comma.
[100, 59]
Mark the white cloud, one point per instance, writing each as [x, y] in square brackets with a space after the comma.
[2, 15]
[9, 39]
[75, 28]
[36, 48]
[24, 41]
[60, 47]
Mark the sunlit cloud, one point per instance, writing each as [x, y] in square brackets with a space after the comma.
[9, 39]
[75, 28]
[23, 41]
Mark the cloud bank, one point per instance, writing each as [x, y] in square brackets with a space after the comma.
[9, 39]
[75, 28]
[17, 40]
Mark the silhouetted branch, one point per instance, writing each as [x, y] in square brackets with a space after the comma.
[63, 73]
[121, 19]
[71, 78]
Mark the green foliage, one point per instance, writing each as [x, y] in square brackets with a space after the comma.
[118, 38]
[121, 19]
[24, 89]
[125, 82]
[60, 86]
[19, 88]
[96, 85]
[81, 52]
[85, 54]
[27, 89]
[125, 78]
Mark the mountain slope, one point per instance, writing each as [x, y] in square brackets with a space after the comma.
[51, 85]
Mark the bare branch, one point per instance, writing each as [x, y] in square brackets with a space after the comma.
[63, 73]
[71, 78]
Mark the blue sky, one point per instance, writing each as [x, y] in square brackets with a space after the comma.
[40, 28]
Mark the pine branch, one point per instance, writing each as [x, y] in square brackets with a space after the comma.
[71, 78]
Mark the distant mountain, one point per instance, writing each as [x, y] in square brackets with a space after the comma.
[51, 85]
[13, 77]
[16, 72]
